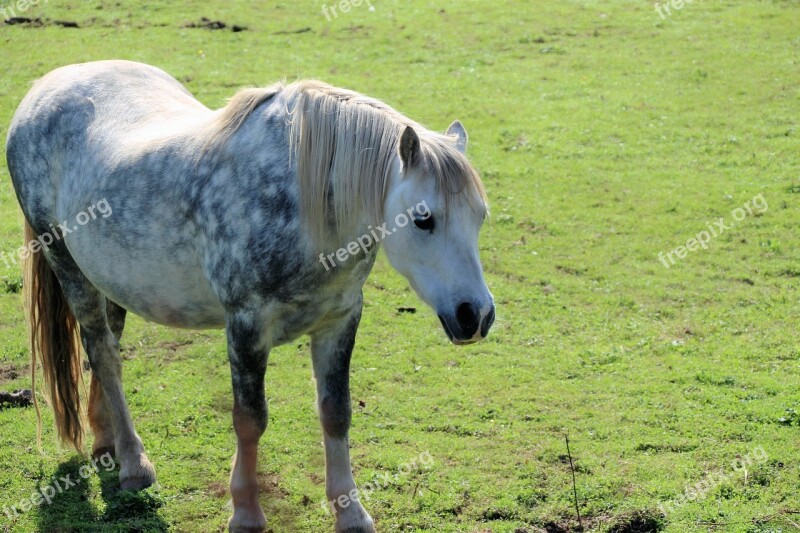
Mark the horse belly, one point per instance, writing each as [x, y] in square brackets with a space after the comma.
[161, 285]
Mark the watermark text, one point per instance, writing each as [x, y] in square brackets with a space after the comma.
[56, 233]
[381, 481]
[13, 9]
[756, 205]
[374, 236]
[46, 495]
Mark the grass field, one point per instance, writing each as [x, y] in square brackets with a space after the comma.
[606, 135]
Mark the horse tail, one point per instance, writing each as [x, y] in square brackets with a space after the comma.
[54, 344]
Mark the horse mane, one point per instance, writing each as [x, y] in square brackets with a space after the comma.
[344, 145]
[241, 106]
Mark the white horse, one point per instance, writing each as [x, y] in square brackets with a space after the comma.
[263, 217]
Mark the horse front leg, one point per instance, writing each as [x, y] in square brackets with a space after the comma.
[247, 352]
[331, 350]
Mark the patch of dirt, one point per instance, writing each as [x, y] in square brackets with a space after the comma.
[268, 484]
[635, 522]
[556, 527]
[11, 372]
[208, 24]
[13, 21]
[354, 28]
[18, 398]
[572, 271]
[38, 22]
[170, 351]
[218, 490]
[174, 345]
[291, 32]
[638, 522]
[458, 430]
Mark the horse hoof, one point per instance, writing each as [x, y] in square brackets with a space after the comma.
[362, 523]
[361, 529]
[245, 529]
[137, 483]
[256, 524]
[139, 476]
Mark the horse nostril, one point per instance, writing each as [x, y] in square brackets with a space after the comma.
[487, 323]
[468, 317]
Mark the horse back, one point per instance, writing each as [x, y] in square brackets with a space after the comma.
[80, 121]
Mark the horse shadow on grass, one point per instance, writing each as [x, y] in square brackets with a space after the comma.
[67, 504]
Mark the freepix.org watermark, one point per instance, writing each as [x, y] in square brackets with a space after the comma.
[381, 481]
[756, 205]
[374, 236]
[701, 489]
[669, 5]
[45, 495]
[12, 9]
[344, 6]
[56, 233]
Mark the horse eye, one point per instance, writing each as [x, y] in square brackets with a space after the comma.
[424, 223]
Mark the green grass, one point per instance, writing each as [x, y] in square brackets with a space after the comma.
[605, 135]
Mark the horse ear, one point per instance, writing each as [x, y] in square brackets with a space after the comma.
[409, 148]
[457, 129]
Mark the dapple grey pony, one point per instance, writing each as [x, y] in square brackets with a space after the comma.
[263, 217]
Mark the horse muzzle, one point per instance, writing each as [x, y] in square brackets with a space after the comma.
[468, 324]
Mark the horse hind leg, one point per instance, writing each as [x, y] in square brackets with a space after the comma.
[136, 471]
[100, 418]
[90, 309]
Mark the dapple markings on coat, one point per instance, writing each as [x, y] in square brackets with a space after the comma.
[219, 217]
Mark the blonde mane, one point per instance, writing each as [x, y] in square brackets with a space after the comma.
[344, 144]
[233, 115]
